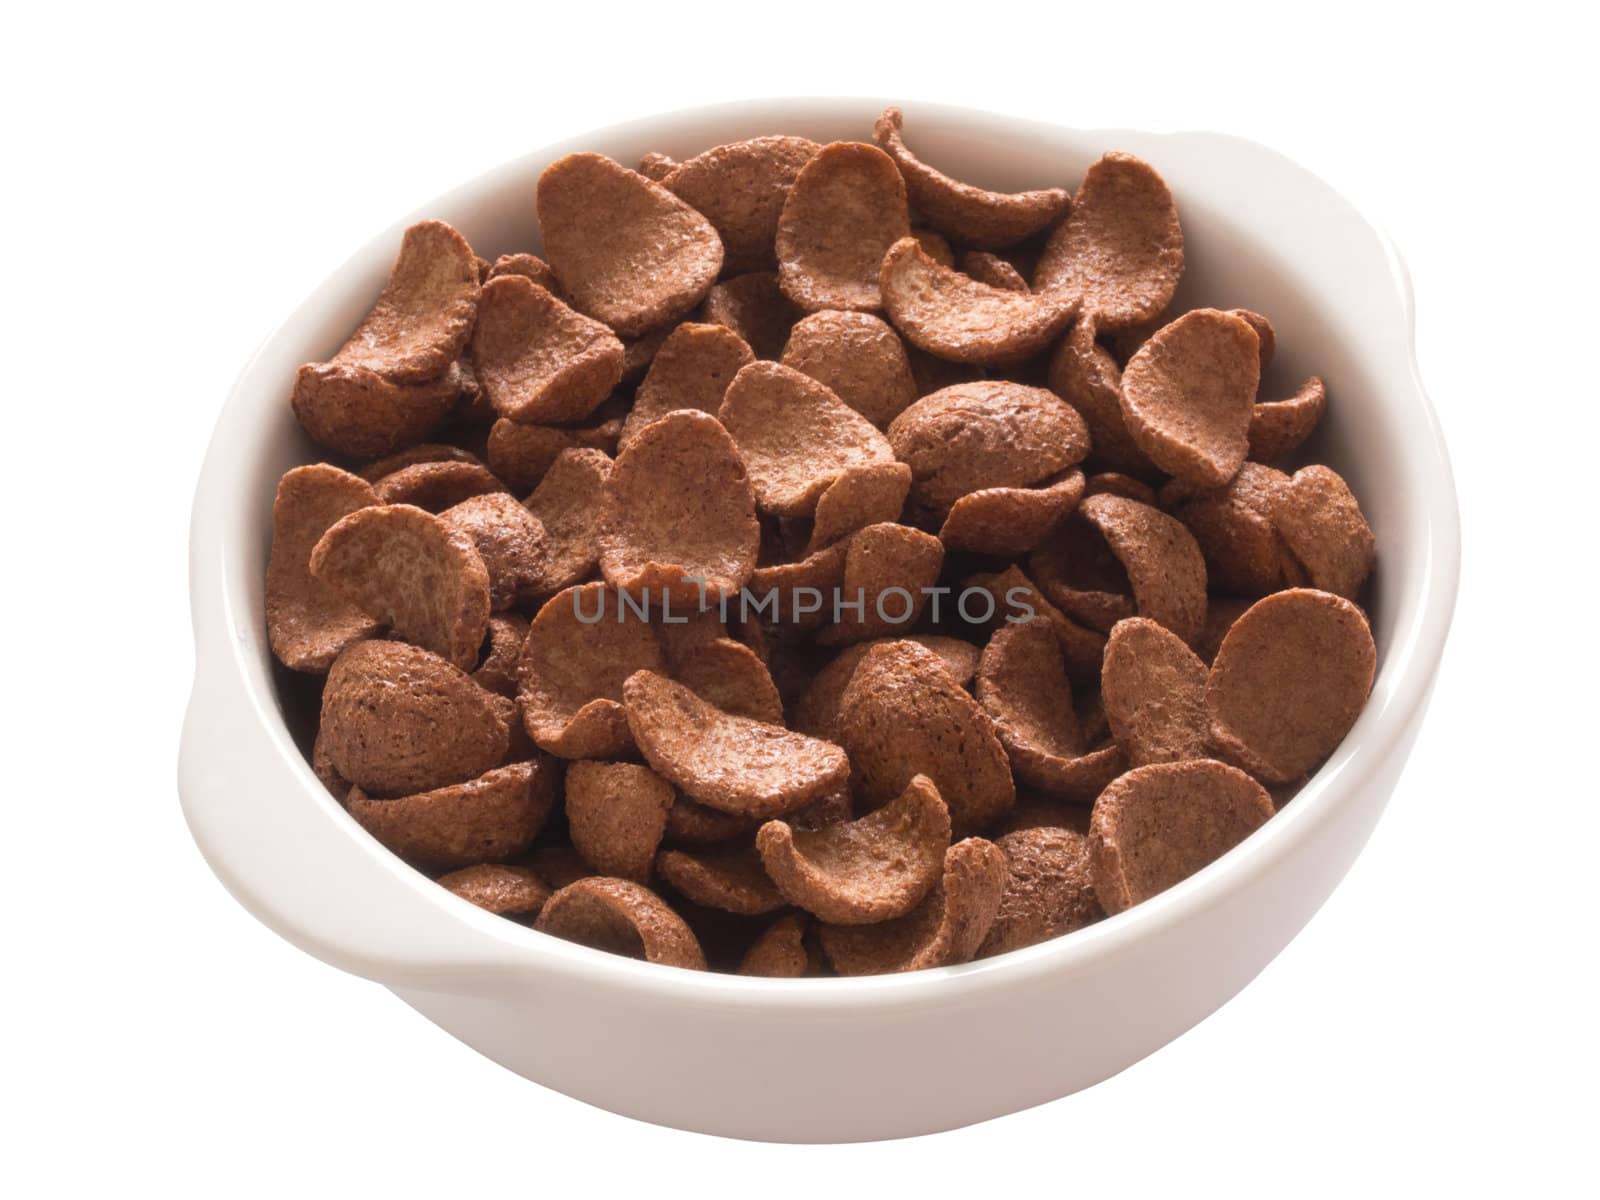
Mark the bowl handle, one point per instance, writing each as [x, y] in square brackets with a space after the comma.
[303, 867]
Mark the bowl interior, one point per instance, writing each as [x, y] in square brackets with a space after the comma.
[1309, 262]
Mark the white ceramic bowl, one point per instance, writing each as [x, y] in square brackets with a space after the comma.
[844, 1059]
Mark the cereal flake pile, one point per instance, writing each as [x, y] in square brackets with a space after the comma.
[814, 564]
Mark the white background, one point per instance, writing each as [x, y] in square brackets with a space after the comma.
[178, 180]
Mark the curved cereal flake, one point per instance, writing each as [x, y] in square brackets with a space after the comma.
[795, 436]
[844, 211]
[511, 542]
[968, 214]
[567, 503]
[580, 648]
[521, 454]
[830, 810]
[407, 569]
[729, 763]
[693, 629]
[945, 929]
[327, 774]
[987, 434]
[616, 816]
[436, 486]
[351, 410]
[422, 320]
[426, 452]
[690, 630]
[722, 936]
[1323, 525]
[992, 270]
[692, 370]
[397, 720]
[886, 569]
[1083, 373]
[860, 872]
[529, 266]
[779, 951]
[1120, 250]
[804, 589]
[1154, 689]
[730, 676]
[959, 658]
[537, 359]
[1234, 529]
[1114, 483]
[1049, 889]
[1005, 522]
[857, 356]
[741, 188]
[1081, 779]
[954, 316]
[657, 166]
[627, 251]
[1187, 396]
[1157, 825]
[1164, 565]
[638, 353]
[816, 710]
[503, 890]
[935, 246]
[1278, 427]
[859, 497]
[691, 824]
[1265, 334]
[486, 819]
[308, 621]
[1016, 598]
[903, 715]
[726, 878]
[1081, 577]
[820, 570]
[1023, 686]
[755, 308]
[679, 514]
[1289, 681]
[622, 917]
[498, 669]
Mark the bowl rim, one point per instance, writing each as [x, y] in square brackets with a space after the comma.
[1405, 670]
